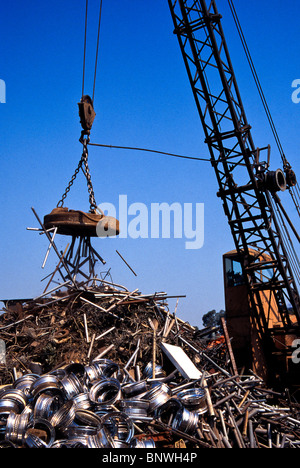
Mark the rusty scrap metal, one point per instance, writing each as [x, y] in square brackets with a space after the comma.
[95, 386]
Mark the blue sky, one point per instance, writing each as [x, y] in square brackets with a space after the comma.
[142, 99]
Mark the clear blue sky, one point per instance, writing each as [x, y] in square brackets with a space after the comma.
[143, 98]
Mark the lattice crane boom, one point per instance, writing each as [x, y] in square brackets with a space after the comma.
[246, 186]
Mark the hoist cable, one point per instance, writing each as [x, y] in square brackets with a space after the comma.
[295, 198]
[294, 191]
[84, 47]
[293, 257]
[97, 49]
[297, 191]
[256, 79]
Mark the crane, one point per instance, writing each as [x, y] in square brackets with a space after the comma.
[248, 188]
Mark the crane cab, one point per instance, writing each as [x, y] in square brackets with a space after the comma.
[249, 344]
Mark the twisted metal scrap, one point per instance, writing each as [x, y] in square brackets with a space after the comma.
[81, 365]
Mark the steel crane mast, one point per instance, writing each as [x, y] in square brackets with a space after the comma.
[246, 187]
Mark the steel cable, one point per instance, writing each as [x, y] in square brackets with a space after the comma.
[256, 79]
[84, 47]
[97, 49]
[263, 99]
[149, 151]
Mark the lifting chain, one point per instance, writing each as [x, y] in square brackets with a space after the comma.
[83, 161]
[93, 204]
[61, 202]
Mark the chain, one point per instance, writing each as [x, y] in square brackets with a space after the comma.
[93, 204]
[83, 160]
[61, 202]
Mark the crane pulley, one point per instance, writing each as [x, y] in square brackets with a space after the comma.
[87, 115]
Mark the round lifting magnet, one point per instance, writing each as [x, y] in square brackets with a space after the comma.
[78, 223]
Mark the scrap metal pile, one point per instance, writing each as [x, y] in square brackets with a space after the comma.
[102, 367]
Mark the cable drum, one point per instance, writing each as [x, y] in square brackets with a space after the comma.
[275, 181]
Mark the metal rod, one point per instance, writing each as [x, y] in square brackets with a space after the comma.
[86, 329]
[54, 246]
[52, 290]
[133, 356]
[91, 346]
[57, 267]
[105, 333]
[105, 351]
[49, 248]
[100, 308]
[126, 263]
